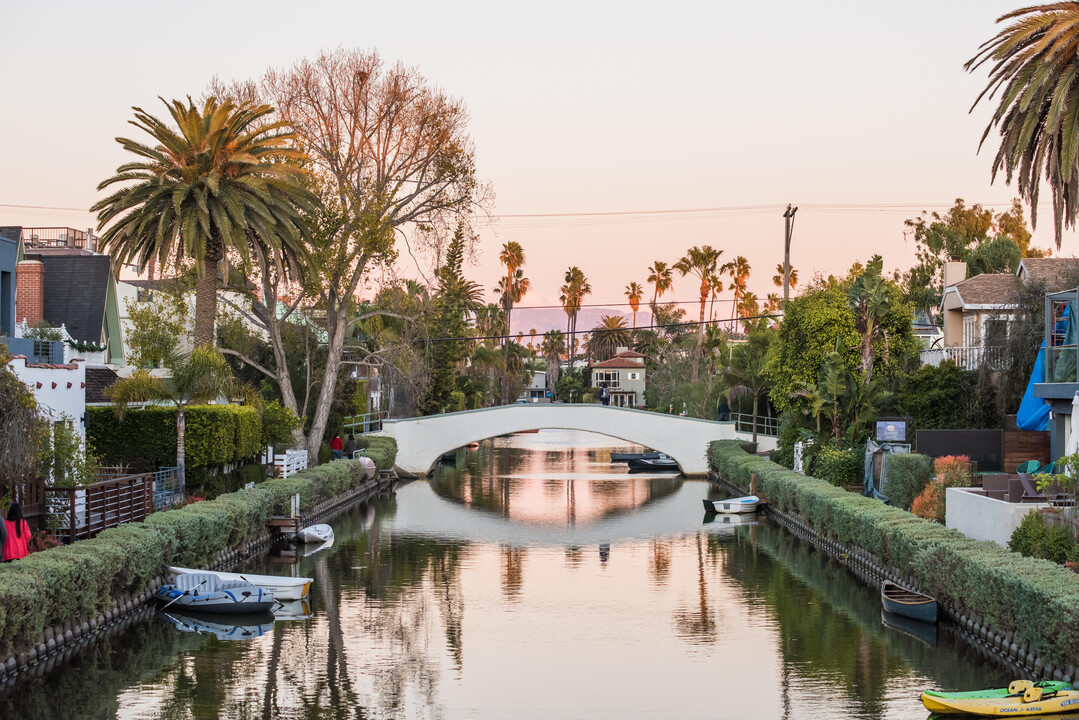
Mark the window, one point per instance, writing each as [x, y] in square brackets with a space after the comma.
[606, 376]
[633, 376]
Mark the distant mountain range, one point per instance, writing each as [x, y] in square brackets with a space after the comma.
[554, 319]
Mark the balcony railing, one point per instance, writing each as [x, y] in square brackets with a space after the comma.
[57, 237]
[968, 358]
[766, 425]
[36, 351]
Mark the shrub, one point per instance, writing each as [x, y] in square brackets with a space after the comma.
[277, 425]
[952, 470]
[907, 476]
[839, 467]
[1035, 600]
[929, 504]
[324, 454]
[214, 435]
[457, 401]
[1035, 538]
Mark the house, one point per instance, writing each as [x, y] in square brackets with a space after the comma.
[61, 281]
[624, 375]
[976, 310]
[1060, 380]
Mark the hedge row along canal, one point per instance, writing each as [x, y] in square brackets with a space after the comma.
[1026, 608]
[79, 588]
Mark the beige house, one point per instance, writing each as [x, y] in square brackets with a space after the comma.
[977, 309]
[624, 375]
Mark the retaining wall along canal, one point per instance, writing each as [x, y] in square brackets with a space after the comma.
[1017, 611]
[45, 618]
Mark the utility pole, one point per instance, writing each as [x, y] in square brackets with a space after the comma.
[788, 218]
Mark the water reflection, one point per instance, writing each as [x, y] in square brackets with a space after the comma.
[511, 603]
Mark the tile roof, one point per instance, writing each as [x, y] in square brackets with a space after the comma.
[618, 362]
[988, 289]
[1059, 273]
[97, 379]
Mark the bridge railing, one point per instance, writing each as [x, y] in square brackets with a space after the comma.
[743, 422]
[368, 422]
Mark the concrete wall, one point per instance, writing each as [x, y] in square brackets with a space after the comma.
[422, 441]
[984, 518]
[59, 389]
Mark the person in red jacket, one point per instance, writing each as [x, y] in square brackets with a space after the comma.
[18, 534]
[337, 447]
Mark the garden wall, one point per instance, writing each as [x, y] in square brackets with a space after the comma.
[81, 586]
[1027, 609]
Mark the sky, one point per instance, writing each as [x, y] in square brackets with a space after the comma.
[693, 123]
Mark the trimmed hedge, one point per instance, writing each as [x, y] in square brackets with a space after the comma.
[82, 580]
[1036, 600]
[907, 477]
[213, 435]
[839, 467]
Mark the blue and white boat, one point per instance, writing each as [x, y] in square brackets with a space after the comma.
[206, 592]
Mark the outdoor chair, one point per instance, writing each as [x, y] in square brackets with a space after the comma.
[1030, 493]
[995, 486]
[1030, 466]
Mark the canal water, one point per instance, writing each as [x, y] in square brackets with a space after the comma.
[531, 579]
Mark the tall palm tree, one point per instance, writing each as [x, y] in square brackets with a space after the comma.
[552, 346]
[511, 288]
[196, 378]
[634, 292]
[738, 269]
[608, 336]
[223, 179]
[573, 291]
[1035, 68]
[700, 262]
[661, 278]
[746, 373]
[777, 279]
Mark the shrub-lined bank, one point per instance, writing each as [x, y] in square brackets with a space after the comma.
[1036, 602]
[83, 580]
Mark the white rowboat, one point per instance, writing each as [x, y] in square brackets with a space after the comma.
[745, 504]
[203, 592]
[282, 587]
[315, 533]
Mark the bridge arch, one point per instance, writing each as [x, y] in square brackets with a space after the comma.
[422, 441]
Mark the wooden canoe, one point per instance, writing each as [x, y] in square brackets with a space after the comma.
[908, 603]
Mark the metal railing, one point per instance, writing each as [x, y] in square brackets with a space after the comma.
[168, 490]
[56, 237]
[36, 351]
[368, 422]
[766, 425]
[82, 512]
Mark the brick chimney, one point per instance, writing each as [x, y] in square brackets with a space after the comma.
[30, 292]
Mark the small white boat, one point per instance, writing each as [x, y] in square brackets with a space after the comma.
[282, 587]
[204, 592]
[745, 504]
[316, 533]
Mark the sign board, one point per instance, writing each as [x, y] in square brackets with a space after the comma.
[893, 429]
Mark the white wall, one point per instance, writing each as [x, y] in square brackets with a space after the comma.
[984, 518]
[68, 397]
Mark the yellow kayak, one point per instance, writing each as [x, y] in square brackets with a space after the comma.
[1021, 699]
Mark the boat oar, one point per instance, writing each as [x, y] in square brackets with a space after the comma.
[185, 592]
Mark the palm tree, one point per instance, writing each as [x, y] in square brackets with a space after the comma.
[746, 371]
[700, 262]
[1036, 70]
[512, 288]
[608, 336]
[634, 292]
[552, 346]
[738, 269]
[661, 277]
[777, 279]
[222, 180]
[576, 287]
[748, 305]
[196, 378]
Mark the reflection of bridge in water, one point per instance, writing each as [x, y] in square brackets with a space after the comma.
[674, 512]
[422, 441]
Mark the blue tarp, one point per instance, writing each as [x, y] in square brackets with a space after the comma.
[1034, 412]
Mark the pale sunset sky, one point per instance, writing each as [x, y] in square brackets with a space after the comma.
[855, 112]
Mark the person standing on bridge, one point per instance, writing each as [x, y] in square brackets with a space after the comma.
[604, 393]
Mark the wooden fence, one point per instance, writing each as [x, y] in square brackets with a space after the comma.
[85, 511]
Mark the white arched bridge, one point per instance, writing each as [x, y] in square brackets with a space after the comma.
[422, 441]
